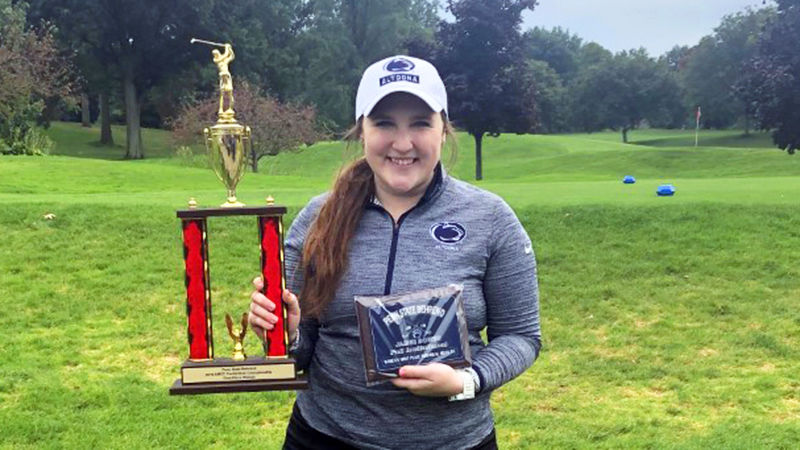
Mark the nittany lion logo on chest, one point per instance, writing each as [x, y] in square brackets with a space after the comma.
[449, 233]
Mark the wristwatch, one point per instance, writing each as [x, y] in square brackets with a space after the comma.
[471, 382]
[295, 344]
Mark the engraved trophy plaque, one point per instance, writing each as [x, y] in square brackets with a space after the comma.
[203, 372]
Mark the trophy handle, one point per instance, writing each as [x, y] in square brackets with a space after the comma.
[247, 142]
[244, 326]
[229, 323]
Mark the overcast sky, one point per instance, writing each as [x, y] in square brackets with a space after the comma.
[656, 25]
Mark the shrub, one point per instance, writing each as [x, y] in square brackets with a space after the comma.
[26, 142]
[32, 74]
[276, 126]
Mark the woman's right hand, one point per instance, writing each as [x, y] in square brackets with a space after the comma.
[262, 318]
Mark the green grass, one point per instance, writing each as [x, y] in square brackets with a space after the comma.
[654, 137]
[668, 322]
[76, 141]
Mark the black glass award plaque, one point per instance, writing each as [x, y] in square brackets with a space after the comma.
[412, 329]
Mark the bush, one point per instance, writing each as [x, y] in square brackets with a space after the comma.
[33, 74]
[30, 142]
[276, 126]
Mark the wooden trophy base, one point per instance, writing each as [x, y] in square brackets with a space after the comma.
[226, 375]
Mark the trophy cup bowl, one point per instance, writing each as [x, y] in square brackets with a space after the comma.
[228, 145]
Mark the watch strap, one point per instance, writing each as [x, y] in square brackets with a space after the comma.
[468, 392]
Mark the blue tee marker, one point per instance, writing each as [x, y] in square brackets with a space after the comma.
[629, 179]
[665, 190]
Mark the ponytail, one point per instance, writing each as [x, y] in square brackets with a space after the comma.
[326, 245]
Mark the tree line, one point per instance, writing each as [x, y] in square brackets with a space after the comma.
[134, 61]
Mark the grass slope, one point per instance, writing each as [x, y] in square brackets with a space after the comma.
[668, 322]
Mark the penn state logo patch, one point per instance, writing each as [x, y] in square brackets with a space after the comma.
[448, 232]
[399, 65]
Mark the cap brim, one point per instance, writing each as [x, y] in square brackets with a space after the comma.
[432, 104]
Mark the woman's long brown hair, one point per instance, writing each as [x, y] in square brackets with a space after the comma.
[326, 245]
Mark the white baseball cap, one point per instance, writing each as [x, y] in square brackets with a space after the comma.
[400, 73]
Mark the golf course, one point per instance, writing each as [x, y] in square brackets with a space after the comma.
[667, 322]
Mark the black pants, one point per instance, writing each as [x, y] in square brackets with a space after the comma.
[300, 436]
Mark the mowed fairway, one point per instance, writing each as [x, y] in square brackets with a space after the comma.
[668, 322]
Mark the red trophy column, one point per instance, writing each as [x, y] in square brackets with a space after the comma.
[271, 231]
[198, 301]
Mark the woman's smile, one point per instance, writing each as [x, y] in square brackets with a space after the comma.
[401, 161]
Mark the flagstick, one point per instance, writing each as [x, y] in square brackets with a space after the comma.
[697, 126]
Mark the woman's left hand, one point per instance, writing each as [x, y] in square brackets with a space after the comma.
[430, 380]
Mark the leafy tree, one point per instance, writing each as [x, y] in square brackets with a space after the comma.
[330, 66]
[551, 98]
[581, 116]
[676, 58]
[97, 80]
[32, 72]
[714, 66]
[490, 88]
[675, 112]
[771, 85]
[140, 41]
[670, 110]
[622, 92]
[276, 126]
[376, 27]
[554, 61]
[557, 47]
[709, 81]
[341, 37]
[263, 35]
[593, 54]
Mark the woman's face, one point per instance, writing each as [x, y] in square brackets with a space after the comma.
[402, 140]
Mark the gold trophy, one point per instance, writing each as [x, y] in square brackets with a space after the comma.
[228, 142]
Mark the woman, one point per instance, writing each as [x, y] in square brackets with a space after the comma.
[387, 227]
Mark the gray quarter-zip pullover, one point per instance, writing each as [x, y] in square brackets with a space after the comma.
[457, 233]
